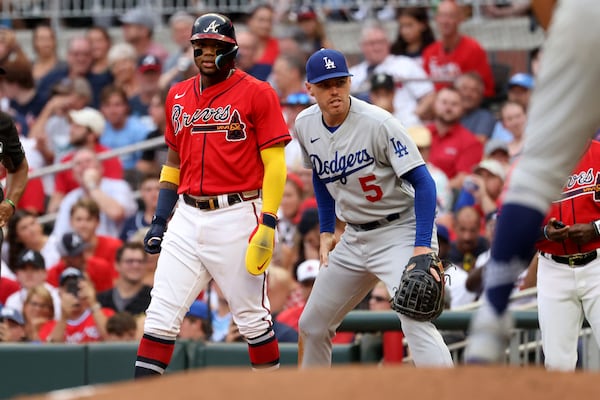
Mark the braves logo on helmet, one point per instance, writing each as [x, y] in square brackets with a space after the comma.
[213, 26]
[216, 27]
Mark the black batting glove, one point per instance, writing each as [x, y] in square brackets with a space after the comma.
[154, 236]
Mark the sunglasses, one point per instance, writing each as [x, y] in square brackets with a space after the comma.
[378, 299]
[297, 99]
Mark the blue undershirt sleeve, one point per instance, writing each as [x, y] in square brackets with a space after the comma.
[325, 205]
[425, 202]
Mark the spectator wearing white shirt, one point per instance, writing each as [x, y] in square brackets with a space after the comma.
[114, 196]
[414, 94]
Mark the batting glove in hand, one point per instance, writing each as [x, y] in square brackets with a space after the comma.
[154, 236]
[261, 243]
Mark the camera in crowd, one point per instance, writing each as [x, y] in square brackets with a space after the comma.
[70, 279]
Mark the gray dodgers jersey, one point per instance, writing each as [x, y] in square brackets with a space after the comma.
[354, 162]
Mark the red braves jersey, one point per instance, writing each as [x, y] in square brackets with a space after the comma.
[81, 330]
[466, 57]
[579, 203]
[219, 132]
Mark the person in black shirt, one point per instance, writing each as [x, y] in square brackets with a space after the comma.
[129, 292]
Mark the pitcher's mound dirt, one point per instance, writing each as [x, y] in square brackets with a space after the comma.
[351, 382]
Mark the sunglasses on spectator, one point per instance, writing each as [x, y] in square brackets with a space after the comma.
[297, 99]
[378, 299]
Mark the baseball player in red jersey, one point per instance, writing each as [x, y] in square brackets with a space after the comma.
[568, 276]
[226, 172]
[562, 118]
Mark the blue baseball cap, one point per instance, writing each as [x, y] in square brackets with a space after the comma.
[198, 309]
[443, 233]
[521, 79]
[326, 64]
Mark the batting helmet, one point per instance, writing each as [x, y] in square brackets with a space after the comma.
[217, 27]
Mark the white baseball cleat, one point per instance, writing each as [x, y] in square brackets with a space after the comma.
[488, 336]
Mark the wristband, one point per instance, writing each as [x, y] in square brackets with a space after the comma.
[12, 204]
[96, 307]
[269, 220]
[546, 232]
[169, 174]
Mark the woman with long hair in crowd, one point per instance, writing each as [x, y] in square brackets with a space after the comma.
[414, 32]
[25, 232]
[101, 43]
[45, 48]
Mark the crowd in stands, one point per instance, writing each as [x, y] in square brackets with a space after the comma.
[85, 277]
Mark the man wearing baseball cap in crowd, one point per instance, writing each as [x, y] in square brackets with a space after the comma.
[148, 74]
[72, 249]
[83, 320]
[30, 271]
[306, 273]
[382, 91]
[12, 326]
[520, 86]
[196, 324]
[138, 30]
[291, 106]
[496, 149]
[482, 189]
[86, 127]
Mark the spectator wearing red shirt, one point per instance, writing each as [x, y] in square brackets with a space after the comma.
[454, 149]
[7, 287]
[82, 320]
[72, 249]
[31, 200]
[86, 127]
[260, 23]
[454, 53]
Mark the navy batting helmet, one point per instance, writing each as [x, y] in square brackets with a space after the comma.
[217, 27]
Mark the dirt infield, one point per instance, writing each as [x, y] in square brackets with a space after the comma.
[351, 382]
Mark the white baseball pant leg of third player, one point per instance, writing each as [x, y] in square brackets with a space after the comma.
[355, 264]
[565, 295]
[199, 244]
[570, 76]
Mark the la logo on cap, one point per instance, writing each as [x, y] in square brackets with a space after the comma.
[329, 64]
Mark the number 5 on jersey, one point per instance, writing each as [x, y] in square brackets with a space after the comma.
[372, 191]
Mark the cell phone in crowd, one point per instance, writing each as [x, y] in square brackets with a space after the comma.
[73, 286]
[558, 224]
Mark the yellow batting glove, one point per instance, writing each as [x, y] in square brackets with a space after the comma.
[261, 243]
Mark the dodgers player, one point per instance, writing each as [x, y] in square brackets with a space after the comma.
[563, 107]
[226, 135]
[368, 172]
[568, 278]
